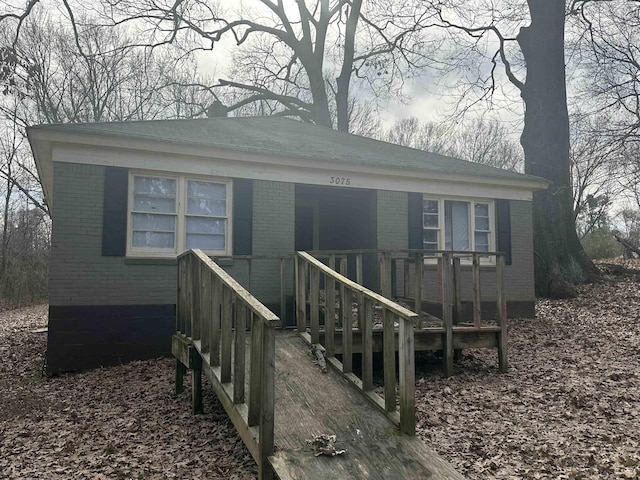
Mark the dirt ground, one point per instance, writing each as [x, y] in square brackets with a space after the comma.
[569, 407]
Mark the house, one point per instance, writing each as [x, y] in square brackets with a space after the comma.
[127, 197]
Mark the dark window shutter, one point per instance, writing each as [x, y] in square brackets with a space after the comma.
[114, 215]
[503, 227]
[415, 220]
[242, 217]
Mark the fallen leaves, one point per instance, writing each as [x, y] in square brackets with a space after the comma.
[569, 407]
[112, 423]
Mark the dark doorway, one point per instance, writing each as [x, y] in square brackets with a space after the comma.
[329, 218]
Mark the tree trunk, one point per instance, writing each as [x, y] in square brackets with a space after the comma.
[344, 79]
[560, 260]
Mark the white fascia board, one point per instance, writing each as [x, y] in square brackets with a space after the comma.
[287, 170]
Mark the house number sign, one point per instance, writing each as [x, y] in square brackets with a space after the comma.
[339, 180]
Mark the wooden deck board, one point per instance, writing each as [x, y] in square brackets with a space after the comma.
[309, 402]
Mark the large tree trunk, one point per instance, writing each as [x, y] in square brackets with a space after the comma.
[559, 258]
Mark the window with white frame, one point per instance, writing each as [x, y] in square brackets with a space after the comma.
[170, 214]
[461, 225]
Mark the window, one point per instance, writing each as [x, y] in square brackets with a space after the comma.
[168, 215]
[459, 225]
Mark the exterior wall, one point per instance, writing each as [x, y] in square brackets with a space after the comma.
[105, 310]
[392, 219]
[273, 234]
[79, 274]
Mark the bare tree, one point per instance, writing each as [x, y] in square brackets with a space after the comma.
[516, 35]
[610, 64]
[476, 140]
[596, 165]
[298, 58]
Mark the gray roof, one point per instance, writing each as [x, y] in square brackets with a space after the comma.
[286, 138]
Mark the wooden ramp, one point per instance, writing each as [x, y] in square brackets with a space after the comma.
[310, 403]
[278, 398]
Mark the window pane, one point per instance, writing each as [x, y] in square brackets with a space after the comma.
[482, 216]
[482, 223]
[205, 242]
[482, 241]
[482, 210]
[153, 240]
[147, 221]
[430, 221]
[152, 194]
[430, 206]
[205, 225]
[456, 225]
[206, 198]
[431, 236]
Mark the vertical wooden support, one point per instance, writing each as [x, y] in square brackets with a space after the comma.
[255, 373]
[265, 440]
[188, 295]
[225, 337]
[180, 371]
[205, 308]
[501, 306]
[302, 295]
[330, 310]
[406, 357]
[249, 267]
[419, 260]
[314, 294]
[477, 298]
[343, 271]
[385, 274]
[283, 305]
[238, 351]
[196, 390]
[366, 328]
[389, 352]
[457, 295]
[195, 290]
[457, 301]
[359, 268]
[216, 314]
[179, 300]
[347, 321]
[447, 314]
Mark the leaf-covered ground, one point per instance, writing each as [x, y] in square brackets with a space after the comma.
[112, 423]
[569, 407]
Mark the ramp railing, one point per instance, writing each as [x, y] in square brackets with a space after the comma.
[355, 300]
[212, 315]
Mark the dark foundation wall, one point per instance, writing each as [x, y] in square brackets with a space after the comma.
[93, 336]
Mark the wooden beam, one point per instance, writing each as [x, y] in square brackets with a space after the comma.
[266, 440]
[366, 326]
[477, 295]
[501, 306]
[239, 342]
[447, 314]
[406, 356]
[314, 303]
[225, 338]
[389, 352]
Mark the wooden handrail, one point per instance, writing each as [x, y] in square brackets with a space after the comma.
[213, 312]
[404, 416]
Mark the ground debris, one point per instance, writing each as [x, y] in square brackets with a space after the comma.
[568, 407]
[317, 353]
[110, 423]
[324, 444]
